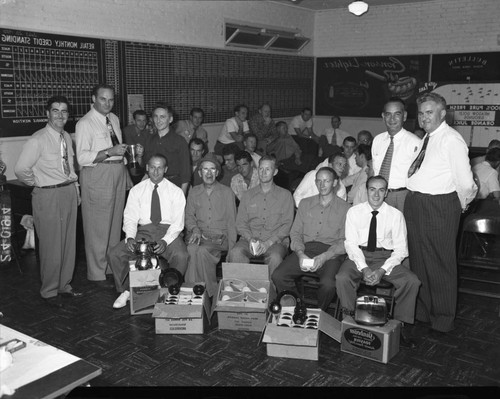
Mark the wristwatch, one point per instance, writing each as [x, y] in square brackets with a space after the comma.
[107, 154]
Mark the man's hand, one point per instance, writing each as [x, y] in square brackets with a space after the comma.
[378, 274]
[160, 247]
[262, 247]
[319, 261]
[303, 256]
[118, 150]
[131, 244]
[372, 277]
[195, 238]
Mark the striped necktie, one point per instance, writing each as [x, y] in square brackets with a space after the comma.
[114, 139]
[64, 156]
[415, 166]
[385, 169]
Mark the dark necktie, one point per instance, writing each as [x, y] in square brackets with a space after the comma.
[114, 139]
[64, 156]
[155, 206]
[385, 168]
[415, 166]
[334, 137]
[372, 235]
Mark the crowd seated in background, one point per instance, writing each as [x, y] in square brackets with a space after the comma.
[233, 130]
[331, 138]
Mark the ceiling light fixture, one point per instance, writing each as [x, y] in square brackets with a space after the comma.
[358, 8]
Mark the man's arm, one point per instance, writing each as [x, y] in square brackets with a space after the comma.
[231, 220]
[286, 219]
[178, 203]
[132, 214]
[24, 166]
[352, 240]
[399, 241]
[296, 233]
[461, 171]
[242, 226]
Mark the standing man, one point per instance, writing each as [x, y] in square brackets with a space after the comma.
[137, 133]
[247, 178]
[393, 152]
[262, 125]
[103, 178]
[46, 163]
[171, 146]
[317, 233]
[264, 219]
[440, 186]
[375, 241]
[154, 212]
[331, 138]
[191, 128]
[210, 224]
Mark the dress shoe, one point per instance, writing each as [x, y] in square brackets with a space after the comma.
[54, 302]
[71, 294]
[122, 300]
[102, 283]
[405, 339]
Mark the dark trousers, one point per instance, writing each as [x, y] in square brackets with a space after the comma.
[289, 270]
[432, 222]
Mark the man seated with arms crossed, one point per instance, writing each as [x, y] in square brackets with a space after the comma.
[155, 212]
[264, 219]
[247, 178]
[376, 244]
[210, 224]
[317, 235]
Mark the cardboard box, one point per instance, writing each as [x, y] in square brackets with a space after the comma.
[242, 310]
[299, 342]
[144, 290]
[181, 318]
[379, 343]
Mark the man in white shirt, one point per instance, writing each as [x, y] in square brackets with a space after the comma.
[141, 221]
[348, 147]
[440, 185]
[331, 138]
[233, 130]
[357, 193]
[486, 174]
[392, 162]
[377, 252]
[301, 127]
[103, 179]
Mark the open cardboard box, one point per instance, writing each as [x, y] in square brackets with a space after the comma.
[299, 342]
[242, 310]
[181, 318]
[144, 290]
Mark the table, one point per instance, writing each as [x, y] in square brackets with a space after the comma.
[43, 371]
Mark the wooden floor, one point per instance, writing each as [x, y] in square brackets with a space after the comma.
[130, 354]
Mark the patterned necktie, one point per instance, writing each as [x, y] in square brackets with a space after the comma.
[114, 139]
[334, 137]
[64, 156]
[155, 206]
[385, 169]
[372, 235]
[415, 166]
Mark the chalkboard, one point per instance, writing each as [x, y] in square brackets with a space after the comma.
[359, 86]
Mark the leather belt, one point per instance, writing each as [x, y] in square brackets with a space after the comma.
[112, 162]
[66, 183]
[375, 250]
[394, 190]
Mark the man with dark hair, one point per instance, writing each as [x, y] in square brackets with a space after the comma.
[229, 169]
[357, 193]
[155, 213]
[301, 128]
[137, 133]
[331, 138]
[365, 137]
[492, 144]
[233, 130]
[317, 236]
[171, 145]
[103, 177]
[485, 172]
[440, 185]
[348, 147]
[198, 150]
[393, 152]
[262, 125]
[250, 145]
[265, 215]
[248, 176]
[192, 127]
[375, 242]
[46, 163]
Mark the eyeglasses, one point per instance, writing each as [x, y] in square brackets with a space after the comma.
[206, 170]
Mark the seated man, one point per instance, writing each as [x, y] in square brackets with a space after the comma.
[357, 182]
[197, 150]
[229, 168]
[376, 244]
[249, 145]
[317, 233]
[284, 147]
[210, 224]
[247, 178]
[492, 144]
[487, 175]
[137, 133]
[365, 137]
[348, 147]
[331, 138]
[155, 212]
[191, 128]
[307, 187]
[233, 130]
[262, 125]
[264, 219]
[301, 127]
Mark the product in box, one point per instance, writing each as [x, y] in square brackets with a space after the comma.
[379, 343]
[242, 297]
[144, 290]
[284, 338]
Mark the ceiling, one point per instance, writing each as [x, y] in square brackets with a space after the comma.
[320, 5]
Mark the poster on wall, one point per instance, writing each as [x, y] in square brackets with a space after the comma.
[471, 67]
[35, 66]
[359, 86]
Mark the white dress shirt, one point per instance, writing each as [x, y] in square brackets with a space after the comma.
[231, 126]
[92, 135]
[445, 167]
[340, 135]
[353, 167]
[391, 234]
[406, 148]
[307, 187]
[138, 208]
[358, 182]
[299, 123]
[488, 179]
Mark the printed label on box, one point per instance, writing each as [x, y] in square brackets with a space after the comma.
[363, 339]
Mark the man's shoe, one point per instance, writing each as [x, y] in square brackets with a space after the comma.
[54, 302]
[102, 283]
[71, 294]
[405, 340]
[122, 300]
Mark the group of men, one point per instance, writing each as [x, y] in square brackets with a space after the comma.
[406, 196]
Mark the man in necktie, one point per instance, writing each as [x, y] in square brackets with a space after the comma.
[46, 163]
[331, 138]
[154, 212]
[441, 185]
[393, 152]
[376, 245]
[103, 177]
